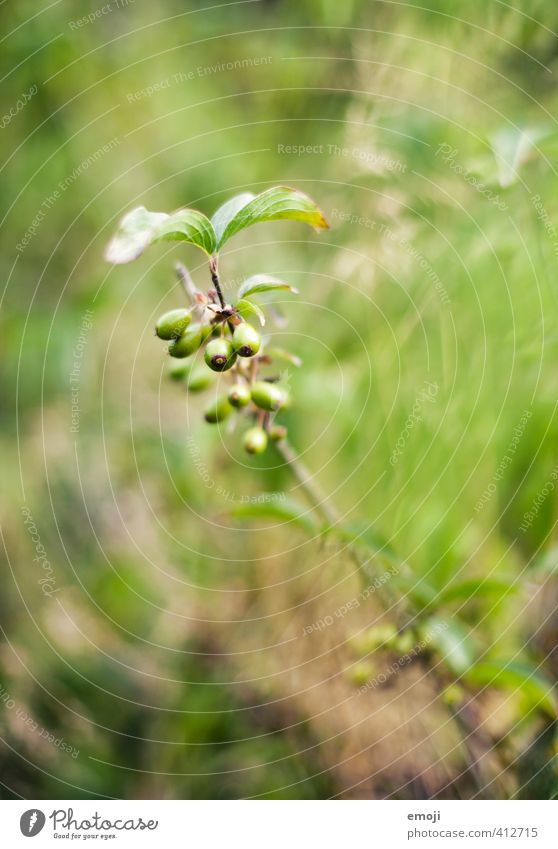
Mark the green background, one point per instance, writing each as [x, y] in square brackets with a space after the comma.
[172, 655]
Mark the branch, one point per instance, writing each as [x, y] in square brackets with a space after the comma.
[215, 281]
[484, 762]
[307, 482]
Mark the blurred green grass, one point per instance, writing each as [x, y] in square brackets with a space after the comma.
[124, 516]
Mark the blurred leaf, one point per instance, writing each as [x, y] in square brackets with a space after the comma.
[287, 510]
[278, 203]
[423, 594]
[263, 283]
[475, 588]
[247, 309]
[361, 533]
[512, 147]
[281, 354]
[547, 563]
[452, 641]
[511, 675]
[140, 228]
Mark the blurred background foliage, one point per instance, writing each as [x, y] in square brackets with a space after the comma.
[171, 655]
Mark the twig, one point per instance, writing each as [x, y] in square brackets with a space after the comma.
[403, 617]
[306, 481]
[215, 281]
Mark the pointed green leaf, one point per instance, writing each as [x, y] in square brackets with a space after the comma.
[513, 147]
[452, 640]
[140, 228]
[188, 225]
[284, 509]
[225, 214]
[263, 283]
[475, 589]
[512, 675]
[247, 310]
[547, 563]
[133, 235]
[362, 533]
[286, 356]
[278, 203]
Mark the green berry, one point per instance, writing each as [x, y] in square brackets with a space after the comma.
[268, 396]
[219, 354]
[277, 433]
[210, 330]
[246, 340]
[453, 695]
[404, 642]
[190, 341]
[173, 324]
[178, 369]
[255, 440]
[381, 636]
[218, 411]
[361, 673]
[239, 395]
[198, 381]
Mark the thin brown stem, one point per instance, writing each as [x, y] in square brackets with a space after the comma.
[215, 281]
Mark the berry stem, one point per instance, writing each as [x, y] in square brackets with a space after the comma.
[215, 280]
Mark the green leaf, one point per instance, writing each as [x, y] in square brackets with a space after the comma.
[225, 214]
[188, 225]
[140, 228]
[247, 309]
[286, 356]
[133, 235]
[475, 588]
[547, 563]
[515, 676]
[272, 507]
[513, 147]
[452, 641]
[263, 283]
[361, 533]
[278, 203]
[422, 594]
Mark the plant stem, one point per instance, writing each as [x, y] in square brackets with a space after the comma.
[215, 280]
[306, 481]
[331, 516]
[484, 762]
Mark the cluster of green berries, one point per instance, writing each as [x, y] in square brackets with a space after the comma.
[230, 344]
[381, 637]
